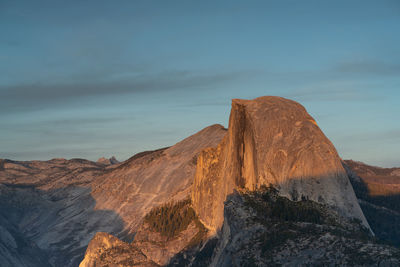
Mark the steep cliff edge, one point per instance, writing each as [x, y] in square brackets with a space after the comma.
[272, 140]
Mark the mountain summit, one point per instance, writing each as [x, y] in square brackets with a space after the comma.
[272, 141]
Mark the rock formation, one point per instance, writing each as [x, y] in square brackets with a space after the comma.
[271, 140]
[107, 250]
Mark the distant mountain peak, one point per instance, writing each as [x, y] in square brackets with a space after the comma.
[109, 161]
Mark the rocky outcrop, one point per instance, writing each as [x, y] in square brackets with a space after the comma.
[107, 250]
[271, 140]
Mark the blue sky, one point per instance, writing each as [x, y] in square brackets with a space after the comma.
[100, 78]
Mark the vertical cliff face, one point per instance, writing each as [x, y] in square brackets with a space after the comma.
[272, 140]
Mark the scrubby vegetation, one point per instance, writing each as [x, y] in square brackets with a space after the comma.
[172, 218]
[269, 205]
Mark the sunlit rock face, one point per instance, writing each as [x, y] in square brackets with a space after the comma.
[107, 250]
[272, 140]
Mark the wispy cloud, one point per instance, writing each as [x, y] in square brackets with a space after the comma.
[38, 95]
[54, 126]
[345, 81]
[368, 67]
[384, 136]
[331, 91]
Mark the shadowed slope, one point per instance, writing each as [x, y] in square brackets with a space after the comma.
[58, 222]
[378, 192]
[48, 204]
